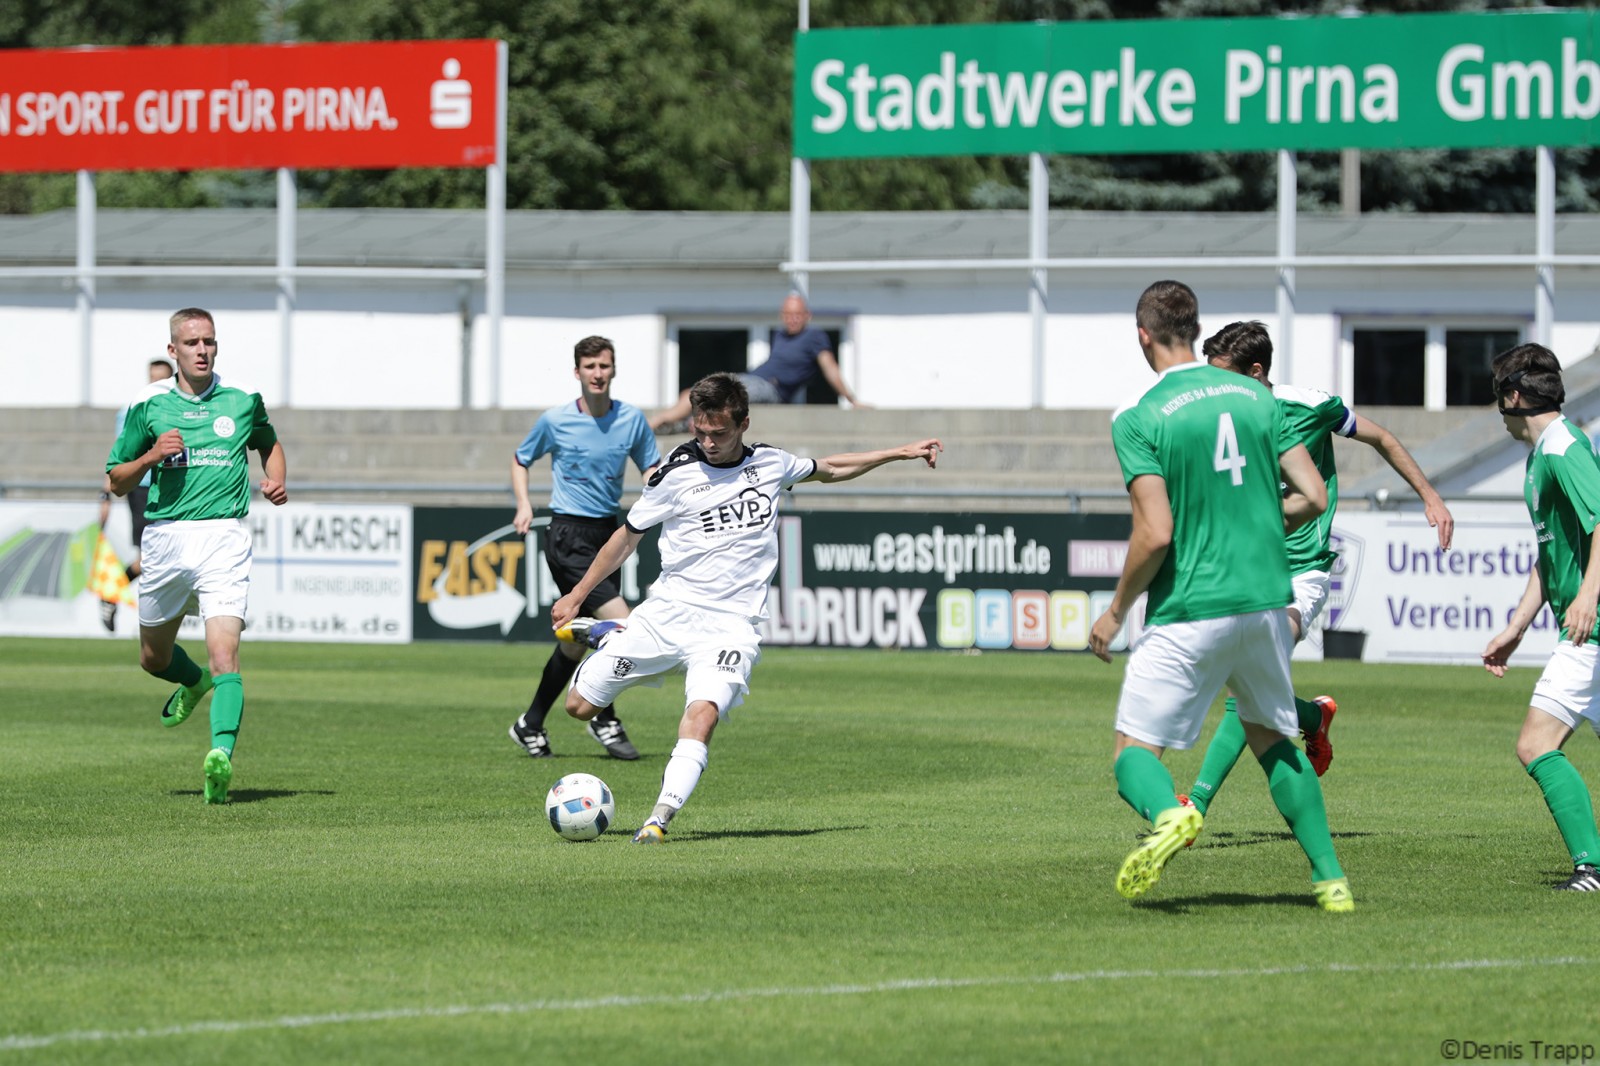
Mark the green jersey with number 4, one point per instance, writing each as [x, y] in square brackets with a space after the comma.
[1562, 491]
[1215, 437]
[210, 478]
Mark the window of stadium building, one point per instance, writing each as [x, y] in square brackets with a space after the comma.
[1433, 365]
[704, 345]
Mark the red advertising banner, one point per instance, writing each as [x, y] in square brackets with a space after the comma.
[229, 107]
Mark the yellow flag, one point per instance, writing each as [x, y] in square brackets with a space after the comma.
[109, 580]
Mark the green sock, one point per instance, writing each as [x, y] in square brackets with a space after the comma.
[182, 670]
[1310, 715]
[1227, 744]
[227, 708]
[1298, 794]
[1144, 783]
[1568, 799]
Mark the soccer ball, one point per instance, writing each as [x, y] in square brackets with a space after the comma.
[580, 807]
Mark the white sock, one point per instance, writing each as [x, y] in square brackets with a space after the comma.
[689, 758]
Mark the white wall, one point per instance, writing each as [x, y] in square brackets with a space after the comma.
[934, 340]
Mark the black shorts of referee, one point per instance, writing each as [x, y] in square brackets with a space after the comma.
[570, 544]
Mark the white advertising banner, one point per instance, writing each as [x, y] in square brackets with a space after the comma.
[1419, 603]
[331, 572]
[322, 572]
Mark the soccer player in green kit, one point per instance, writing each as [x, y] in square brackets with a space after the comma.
[1201, 452]
[1314, 417]
[1562, 490]
[196, 439]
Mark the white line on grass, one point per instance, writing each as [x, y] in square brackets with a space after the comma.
[305, 1021]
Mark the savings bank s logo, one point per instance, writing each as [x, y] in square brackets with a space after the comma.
[1345, 574]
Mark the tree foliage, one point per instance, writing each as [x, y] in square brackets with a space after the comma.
[686, 104]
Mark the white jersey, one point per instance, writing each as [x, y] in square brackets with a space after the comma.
[719, 525]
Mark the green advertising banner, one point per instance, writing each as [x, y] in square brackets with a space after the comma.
[1377, 81]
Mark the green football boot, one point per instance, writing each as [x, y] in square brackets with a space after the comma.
[219, 773]
[1174, 829]
[181, 704]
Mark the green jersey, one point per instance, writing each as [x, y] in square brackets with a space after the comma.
[1215, 437]
[210, 478]
[1562, 491]
[1313, 417]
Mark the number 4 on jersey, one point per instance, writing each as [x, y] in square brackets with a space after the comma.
[1228, 458]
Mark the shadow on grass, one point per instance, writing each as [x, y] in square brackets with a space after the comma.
[757, 834]
[1244, 840]
[1188, 904]
[256, 795]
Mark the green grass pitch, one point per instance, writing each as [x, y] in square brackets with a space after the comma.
[893, 858]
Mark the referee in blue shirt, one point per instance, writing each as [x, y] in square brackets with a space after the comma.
[590, 441]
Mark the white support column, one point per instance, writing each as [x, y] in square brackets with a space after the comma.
[494, 288]
[87, 204]
[1288, 195]
[287, 206]
[1544, 297]
[1038, 276]
[800, 197]
[800, 223]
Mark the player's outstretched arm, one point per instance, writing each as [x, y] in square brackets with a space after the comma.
[1394, 453]
[1502, 644]
[612, 554]
[275, 464]
[849, 465]
[1308, 493]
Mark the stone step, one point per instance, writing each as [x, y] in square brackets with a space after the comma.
[1022, 457]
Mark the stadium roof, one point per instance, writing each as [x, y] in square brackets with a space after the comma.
[538, 240]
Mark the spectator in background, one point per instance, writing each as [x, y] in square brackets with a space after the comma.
[800, 352]
[160, 371]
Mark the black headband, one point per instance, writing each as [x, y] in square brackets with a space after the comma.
[1513, 382]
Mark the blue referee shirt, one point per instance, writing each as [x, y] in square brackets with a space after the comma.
[589, 455]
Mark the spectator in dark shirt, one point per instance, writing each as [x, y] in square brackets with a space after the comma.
[799, 353]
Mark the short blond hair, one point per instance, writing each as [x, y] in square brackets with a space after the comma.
[188, 314]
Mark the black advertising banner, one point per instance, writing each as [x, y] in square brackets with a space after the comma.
[844, 579]
[989, 581]
[478, 579]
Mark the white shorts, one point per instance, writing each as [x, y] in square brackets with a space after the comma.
[1178, 669]
[716, 651]
[204, 564]
[1569, 688]
[1309, 595]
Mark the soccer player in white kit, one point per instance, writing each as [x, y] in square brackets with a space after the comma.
[716, 500]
